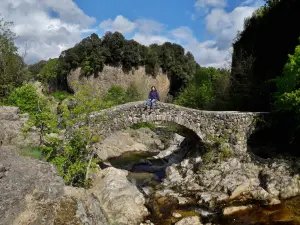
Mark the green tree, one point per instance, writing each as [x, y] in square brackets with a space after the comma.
[114, 43]
[207, 89]
[131, 54]
[12, 67]
[116, 95]
[49, 71]
[132, 93]
[36, 68]
[38, 107]
[287, 95]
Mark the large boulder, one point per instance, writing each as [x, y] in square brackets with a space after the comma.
[32, 193]
[120, 199]
[128, 140]
[12, 124]
[30, 190]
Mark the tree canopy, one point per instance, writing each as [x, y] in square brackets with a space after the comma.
[260, 53]
[12, 66]
[92, 53]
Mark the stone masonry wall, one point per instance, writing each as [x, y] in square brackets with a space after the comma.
[232, 127]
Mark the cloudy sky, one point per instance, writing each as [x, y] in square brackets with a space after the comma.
[204, 27]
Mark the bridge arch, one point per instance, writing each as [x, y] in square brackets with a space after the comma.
[233, 127]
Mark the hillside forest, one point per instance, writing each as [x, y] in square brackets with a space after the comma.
[264, 76]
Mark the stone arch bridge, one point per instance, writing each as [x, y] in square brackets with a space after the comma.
[233, 127]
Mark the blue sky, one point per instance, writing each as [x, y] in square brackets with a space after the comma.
[204, 27]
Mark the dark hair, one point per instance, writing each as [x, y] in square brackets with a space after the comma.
[153, 87]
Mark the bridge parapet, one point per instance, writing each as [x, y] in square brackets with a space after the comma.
[230, 126]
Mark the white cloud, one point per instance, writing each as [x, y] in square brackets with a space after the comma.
[216, 52]
[183, 33]
[150, 39]
[200, 4]
[120, 24]
[225, 25]
[147, 26]
[125, 26]
[144, 31]
[48, 33]
[45, 36]
[206, 53]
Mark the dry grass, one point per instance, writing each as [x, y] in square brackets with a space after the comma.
[115, 76]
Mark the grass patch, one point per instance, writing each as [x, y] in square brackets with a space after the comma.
[60, 95]
[137, 126]
[225, 153]
[208, 156]
[33, 152]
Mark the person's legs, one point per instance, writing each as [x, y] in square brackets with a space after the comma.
[59, 121]
[153, 104]
[148, 104]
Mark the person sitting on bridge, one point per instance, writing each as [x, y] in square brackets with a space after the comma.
[153, 96]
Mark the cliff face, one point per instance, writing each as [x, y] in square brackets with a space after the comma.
[260, 53]
[116, 76]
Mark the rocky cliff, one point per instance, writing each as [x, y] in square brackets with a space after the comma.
[116, 76]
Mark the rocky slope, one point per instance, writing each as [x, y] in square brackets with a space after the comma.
[31, 192]
[12, 124]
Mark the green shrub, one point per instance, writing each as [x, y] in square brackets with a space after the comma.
[116, 95]
[33, 152]
[136, 126]
[225, 153]
[208, 156]
[60, 95]
[26, 98]
[71, 157]
[133, 94]
[39, 109]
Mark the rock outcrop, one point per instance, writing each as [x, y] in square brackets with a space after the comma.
[29, 190]
[128, 141]
[32, 193]
[120, 199]
[12, 123]
[116, 76]
[233, 178]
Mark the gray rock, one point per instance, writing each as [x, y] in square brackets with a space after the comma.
[120, 199]
[127, 141]
[27, 190]
[193, 220]
[12, 124]
[234, 209]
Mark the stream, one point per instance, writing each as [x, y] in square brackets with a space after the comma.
[148, 172]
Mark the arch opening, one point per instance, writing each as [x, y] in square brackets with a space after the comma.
[178, 143]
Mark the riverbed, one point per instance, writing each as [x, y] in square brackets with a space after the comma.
[169, 204]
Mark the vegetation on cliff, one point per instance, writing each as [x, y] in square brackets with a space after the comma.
[92, 53]
[264, 73]
[260, 53]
